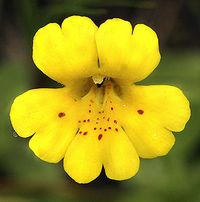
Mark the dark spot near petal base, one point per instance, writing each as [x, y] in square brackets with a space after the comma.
[140, 111]
[85, 133]
[100, 136]
[61, 114]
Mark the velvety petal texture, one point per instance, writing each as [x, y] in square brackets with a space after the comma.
[150, 113]
[67, 52]
[127, 53]
[100, 120]
[49, 115]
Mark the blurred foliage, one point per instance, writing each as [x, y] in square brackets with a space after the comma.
[175, 177]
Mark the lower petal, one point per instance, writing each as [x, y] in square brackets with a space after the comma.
[83, 161]
[48, 114]
[50, 143]
[120, 158]
[36, 109]
[149, 115]
[149, 139]
[165, 103]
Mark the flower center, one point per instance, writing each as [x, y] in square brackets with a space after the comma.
[99, 117]
[98, 79]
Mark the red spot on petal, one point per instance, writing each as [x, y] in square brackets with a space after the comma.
[111, 108]
[105, 129]
[61, 114]
[90, 111]
[80, 132]
[109, 128]
[100, 136]
[115, 121]
[140, 111]
[116, 129]
[84, 121]
[85, 133]
[95, 128]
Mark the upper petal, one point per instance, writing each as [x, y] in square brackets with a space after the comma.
[67, 52]
[127, 55]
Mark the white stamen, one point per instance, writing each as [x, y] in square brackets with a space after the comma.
[98, 79]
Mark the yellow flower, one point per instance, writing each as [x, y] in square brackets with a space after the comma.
[100, 118]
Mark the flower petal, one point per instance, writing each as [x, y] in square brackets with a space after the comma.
[83, 158]
[150, 113]
[149, 139]
[50, 143]
[120, 158]
[54, 123]
[69, 52]
[167, 103]
[126, 55]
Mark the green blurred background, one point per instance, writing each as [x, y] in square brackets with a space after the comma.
[175, 177]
